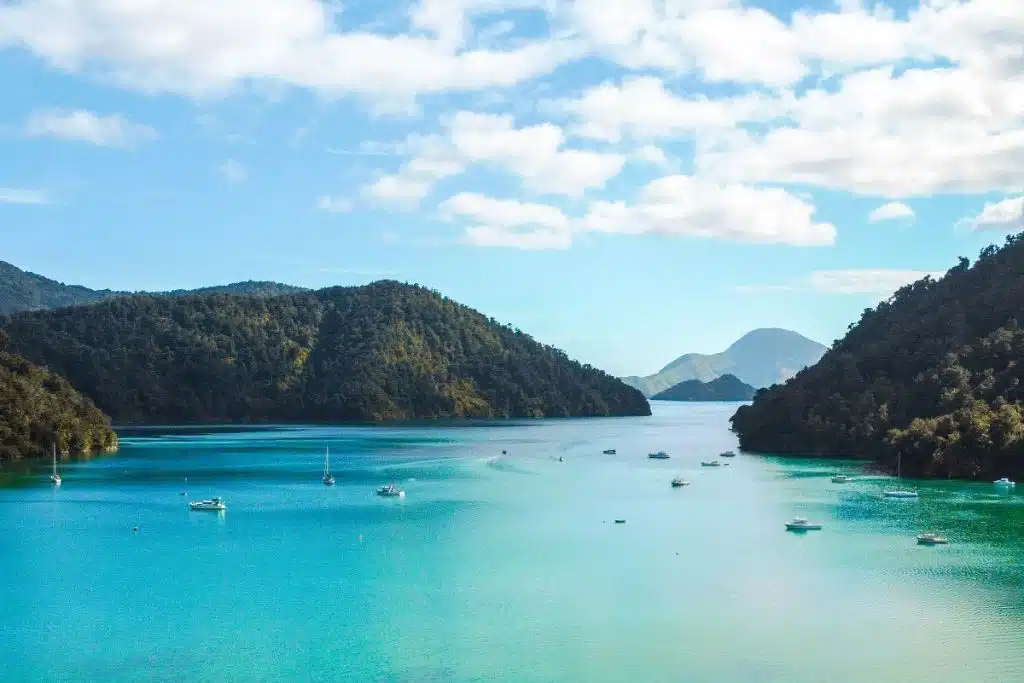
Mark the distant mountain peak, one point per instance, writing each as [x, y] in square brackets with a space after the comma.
[760, 358]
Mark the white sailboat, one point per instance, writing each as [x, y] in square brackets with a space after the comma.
[900, 492]
[55, 477]
[328, 477]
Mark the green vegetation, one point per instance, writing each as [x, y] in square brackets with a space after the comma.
[38, 408]
[24, 291]
[760, 358]
[385, 351]
[934, 373]
[724, 388]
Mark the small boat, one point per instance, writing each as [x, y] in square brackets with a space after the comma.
[390, 491]
[727, 454]
[1004, 482]
[931, 539]
[660, 455]
[212, 504]
[328, 477]
[620, 521]
[841, 479]
[900, 493]
[677, 482]
[801, 524]
[55, 477]
[610, 451]
[710, 463]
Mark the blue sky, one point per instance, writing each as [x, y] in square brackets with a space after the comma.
[626, 179]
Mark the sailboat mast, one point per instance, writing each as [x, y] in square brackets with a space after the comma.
[54, 457]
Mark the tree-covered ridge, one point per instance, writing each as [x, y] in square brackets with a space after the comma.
[38, 409]
[24, 291]
[724, 388]
[934, 373]
[385, 351]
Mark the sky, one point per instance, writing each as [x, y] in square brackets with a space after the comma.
[628, 180]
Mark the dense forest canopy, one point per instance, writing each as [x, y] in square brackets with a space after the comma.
[934, 373]
[39, 409]
[24, 291]
[384, 351]
[724, 388]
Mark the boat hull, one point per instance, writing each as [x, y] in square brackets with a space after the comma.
[901, 494]
[803, 527]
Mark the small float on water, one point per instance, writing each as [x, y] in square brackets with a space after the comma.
[678, 482]
[609, 451]
[841, 479]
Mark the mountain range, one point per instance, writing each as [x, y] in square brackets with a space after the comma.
[21, 290]
[760, 358]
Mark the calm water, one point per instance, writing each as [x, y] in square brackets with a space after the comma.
[500, 568]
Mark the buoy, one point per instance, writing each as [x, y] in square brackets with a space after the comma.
[135, 529]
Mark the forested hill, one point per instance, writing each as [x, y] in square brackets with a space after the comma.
[39, 409]
[934, 373]
[384, 351]
[21, 290]
[724, 388]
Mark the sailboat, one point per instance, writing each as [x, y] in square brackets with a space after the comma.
[900, 493]
[328, 477]
[55, 477]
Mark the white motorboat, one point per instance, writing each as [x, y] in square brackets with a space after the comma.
[215, 504]
[677, 482]
[841, 479]
[801, 524]
[55, 477]
[727, 454]
[609, 451]
[710, 463]
[328, 477]
[931, 539]
[660, 455]
[1004, 482]
[390, 491]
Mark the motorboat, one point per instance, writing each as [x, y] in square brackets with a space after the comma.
[610, 451]
[710, 463]
[801, 524]
[931, 539]
[727, 454]
[677, 482]
[660, 455]
[55, 477]
[841, 479]
[328, 477]
[390, 491]
[215, 504]
[620, 521]
[1004, 482]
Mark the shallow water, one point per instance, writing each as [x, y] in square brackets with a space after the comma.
[499, 567]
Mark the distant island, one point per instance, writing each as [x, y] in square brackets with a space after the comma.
[24, 291]
[933, 374]
[759, 358]
[384, 351]
[724, 388]
[39, 410]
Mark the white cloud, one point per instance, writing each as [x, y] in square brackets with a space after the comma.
[85, 126]
[651, 154]
[643, 108]
[335, 204]
[684, 205]
[233, 172]
[13, 195]
[195, 47]
[874, 281]
[449, 20]
[400, 191]
[891, 211]
[1006, 215]
[509, 223]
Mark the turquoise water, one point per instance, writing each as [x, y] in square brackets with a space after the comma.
[499, 567]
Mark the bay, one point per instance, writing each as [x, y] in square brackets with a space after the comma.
[499, 567]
